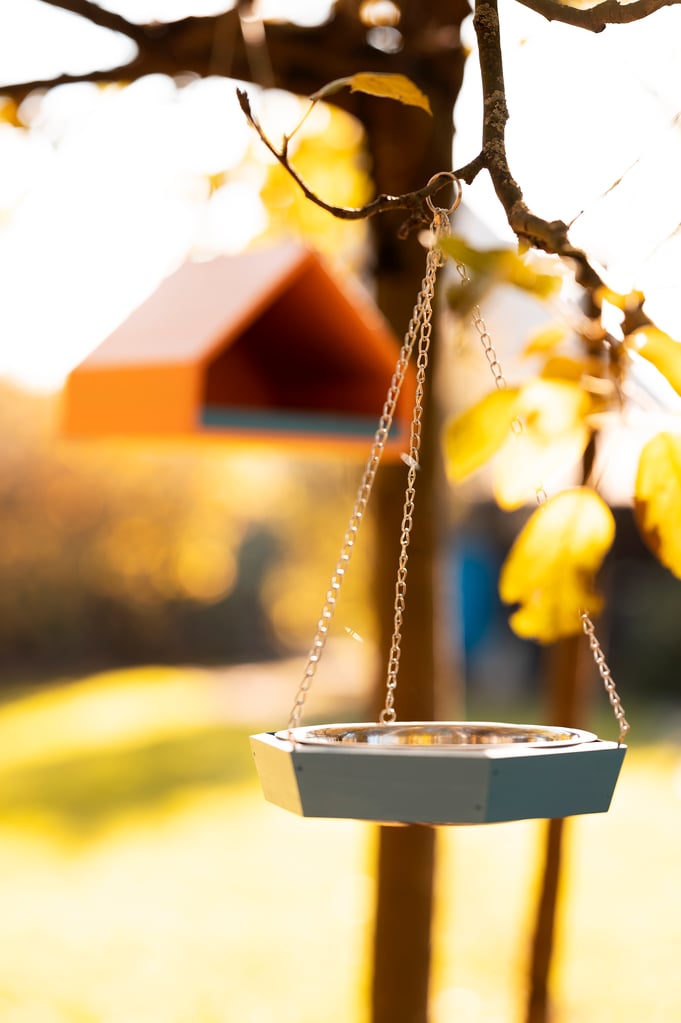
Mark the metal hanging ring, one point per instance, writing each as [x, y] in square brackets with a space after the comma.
[450, 176]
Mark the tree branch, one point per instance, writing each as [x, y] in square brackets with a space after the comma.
[187, 45]
[102, 17]
[20, 91]
[598, 17]
[551, 236]
[170, 48]
[413, 202]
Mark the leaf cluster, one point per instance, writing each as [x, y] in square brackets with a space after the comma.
[530, 434]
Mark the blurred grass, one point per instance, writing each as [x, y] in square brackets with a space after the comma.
[84, 791]
[144, 880]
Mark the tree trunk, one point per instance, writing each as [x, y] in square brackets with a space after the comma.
[406, 150]
[406, 855]
[566, 708]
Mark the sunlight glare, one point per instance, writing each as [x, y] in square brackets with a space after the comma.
[143, 11]
[123, 195]
[572, 136]
[28, 31]
[300, 12]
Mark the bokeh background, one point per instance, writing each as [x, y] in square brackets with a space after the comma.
[156, 603]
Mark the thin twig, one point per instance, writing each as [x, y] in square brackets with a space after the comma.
[413, 202]
[551, 236]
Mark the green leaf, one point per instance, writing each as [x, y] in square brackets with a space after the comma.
[657, 498]
[472, 438]
[551, 567]
[378, 83]
[661, 350]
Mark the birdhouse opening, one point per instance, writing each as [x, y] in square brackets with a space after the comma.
[318, 379]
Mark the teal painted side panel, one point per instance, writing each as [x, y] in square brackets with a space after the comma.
[437, 786]
[562, 783]
[402, 789]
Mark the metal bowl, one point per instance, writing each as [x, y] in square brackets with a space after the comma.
[439, 734]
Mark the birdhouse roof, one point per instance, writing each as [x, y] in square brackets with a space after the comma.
[265, 345]
[200, 309]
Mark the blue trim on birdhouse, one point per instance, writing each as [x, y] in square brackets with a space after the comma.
[269, 420]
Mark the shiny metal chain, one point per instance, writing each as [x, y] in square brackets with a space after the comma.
[541, 497]
[604, 672]
[420, 320]
[389, 714]
[484, 335]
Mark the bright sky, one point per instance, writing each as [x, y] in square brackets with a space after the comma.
[107, 192]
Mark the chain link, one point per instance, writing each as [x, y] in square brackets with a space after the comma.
[604, 672]
[389, 714]
[541, 496]
[488, 348]
[421, 317]
[419, 329]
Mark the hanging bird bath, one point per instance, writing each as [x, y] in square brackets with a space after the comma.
[429, 772]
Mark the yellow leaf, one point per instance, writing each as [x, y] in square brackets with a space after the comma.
[564, 367]
[216, 181]
[553, 439]
[657, 499]
[9, 112]
[501, 265]
[378, 83]
[551, 567]
[480, 261]
[544, 340]
[588, 372]
[627, 302]
[472, 438]
[514, 270]
[660, 349]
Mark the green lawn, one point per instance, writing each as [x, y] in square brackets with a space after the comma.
[144, 880]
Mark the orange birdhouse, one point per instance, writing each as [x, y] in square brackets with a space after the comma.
[267, 347]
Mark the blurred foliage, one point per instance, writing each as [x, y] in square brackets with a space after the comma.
[478, 433]
[116, 553]
[658, 498]
[661, 350]
[327, 152]
[566, 538]
[485, 269]
[537, 431]
[534, 433]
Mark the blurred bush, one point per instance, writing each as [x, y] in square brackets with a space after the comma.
[119, 553]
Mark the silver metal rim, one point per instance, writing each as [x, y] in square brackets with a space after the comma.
[435, 735]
